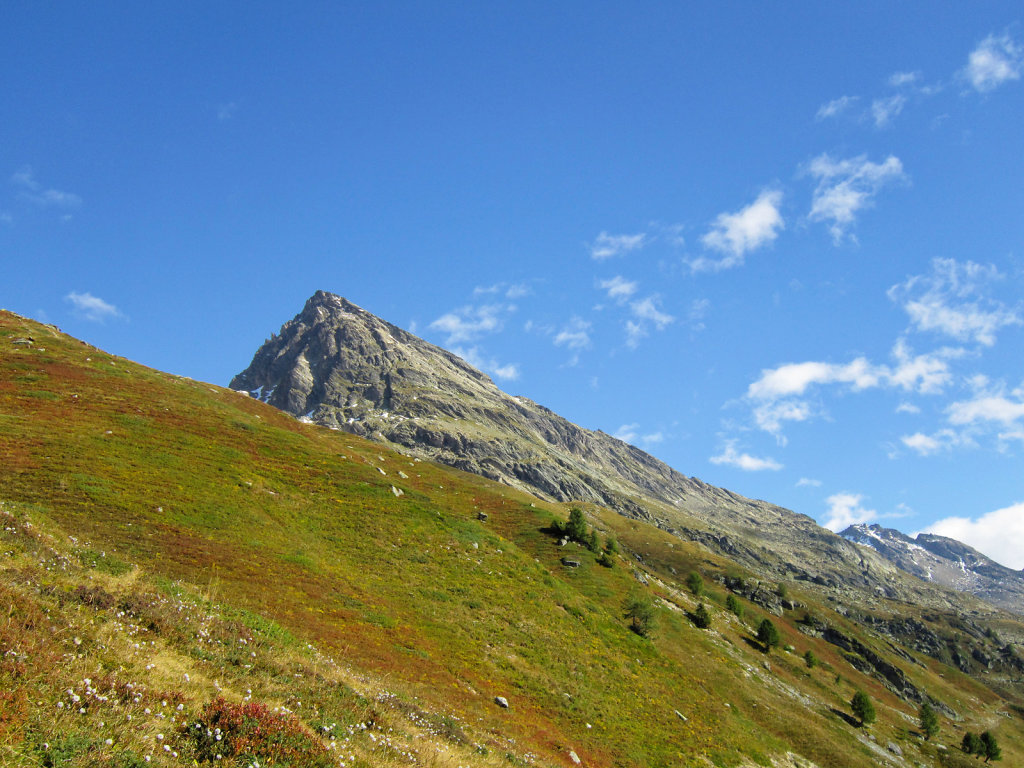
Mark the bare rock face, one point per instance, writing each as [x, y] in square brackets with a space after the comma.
[339, 366]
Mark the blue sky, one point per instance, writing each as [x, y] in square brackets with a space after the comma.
[776, 245]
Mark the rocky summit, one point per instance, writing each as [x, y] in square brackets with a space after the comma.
[944, 561]
[337, 365]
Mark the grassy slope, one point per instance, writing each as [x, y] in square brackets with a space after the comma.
[204, 518]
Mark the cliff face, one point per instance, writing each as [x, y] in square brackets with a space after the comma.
[339, 366]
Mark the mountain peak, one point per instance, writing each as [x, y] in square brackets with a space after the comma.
[339, 366]
[944, 561]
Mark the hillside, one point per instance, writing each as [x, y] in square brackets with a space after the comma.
[337, 365]
[168, 543]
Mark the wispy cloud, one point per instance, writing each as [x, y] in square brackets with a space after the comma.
[645, 313]
[473, 356]
[884, 110]
[647, 309]
[630, 433]
[998, 59]
[835, 107]
[938, 442]
[998, 534]
[846, 509]
[607, 246]
[733, 458]
[618, 288]
[698, 311]
[226, 111]
[471, 322]
[93, 308]
[736, 234]
[510, 291]
[807, 482]
[845, 187]
[574, 335]
[952, 300]
[900, 79]
[34, 192]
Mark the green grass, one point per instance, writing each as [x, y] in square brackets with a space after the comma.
[202, 518]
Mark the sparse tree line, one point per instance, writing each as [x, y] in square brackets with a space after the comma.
[981, 745]
[576, 529]
[640, 610]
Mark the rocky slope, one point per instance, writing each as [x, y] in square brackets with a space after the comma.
[338, 365]
[944, 561]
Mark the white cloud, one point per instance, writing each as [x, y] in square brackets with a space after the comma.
[907, 408]
[574, 335]
[835, 107]
[928, 445]
[995, 61]
[606, 246]
[884, 110]
[647, 309]
[795, 378]
[953, 300]
[92, 307]
[731, 457]
[927, 374]
[736, 234]
[998, 534]
[845, 187]
[770, 416]
[986, 408]
[619, 288]
[778, 394]
[468, 323]
[807, 482]
[34, 192]
[473, 356]
[844, 510]
[645, 312]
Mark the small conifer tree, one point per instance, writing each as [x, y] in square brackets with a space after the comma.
[768, 635]
[862, 708]
[695, 583]
[701, 617]
[576, 528]
[639, 609]
[928, 721]
[971, 744]
[989, 747]
[734, 605]
[810, 659]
